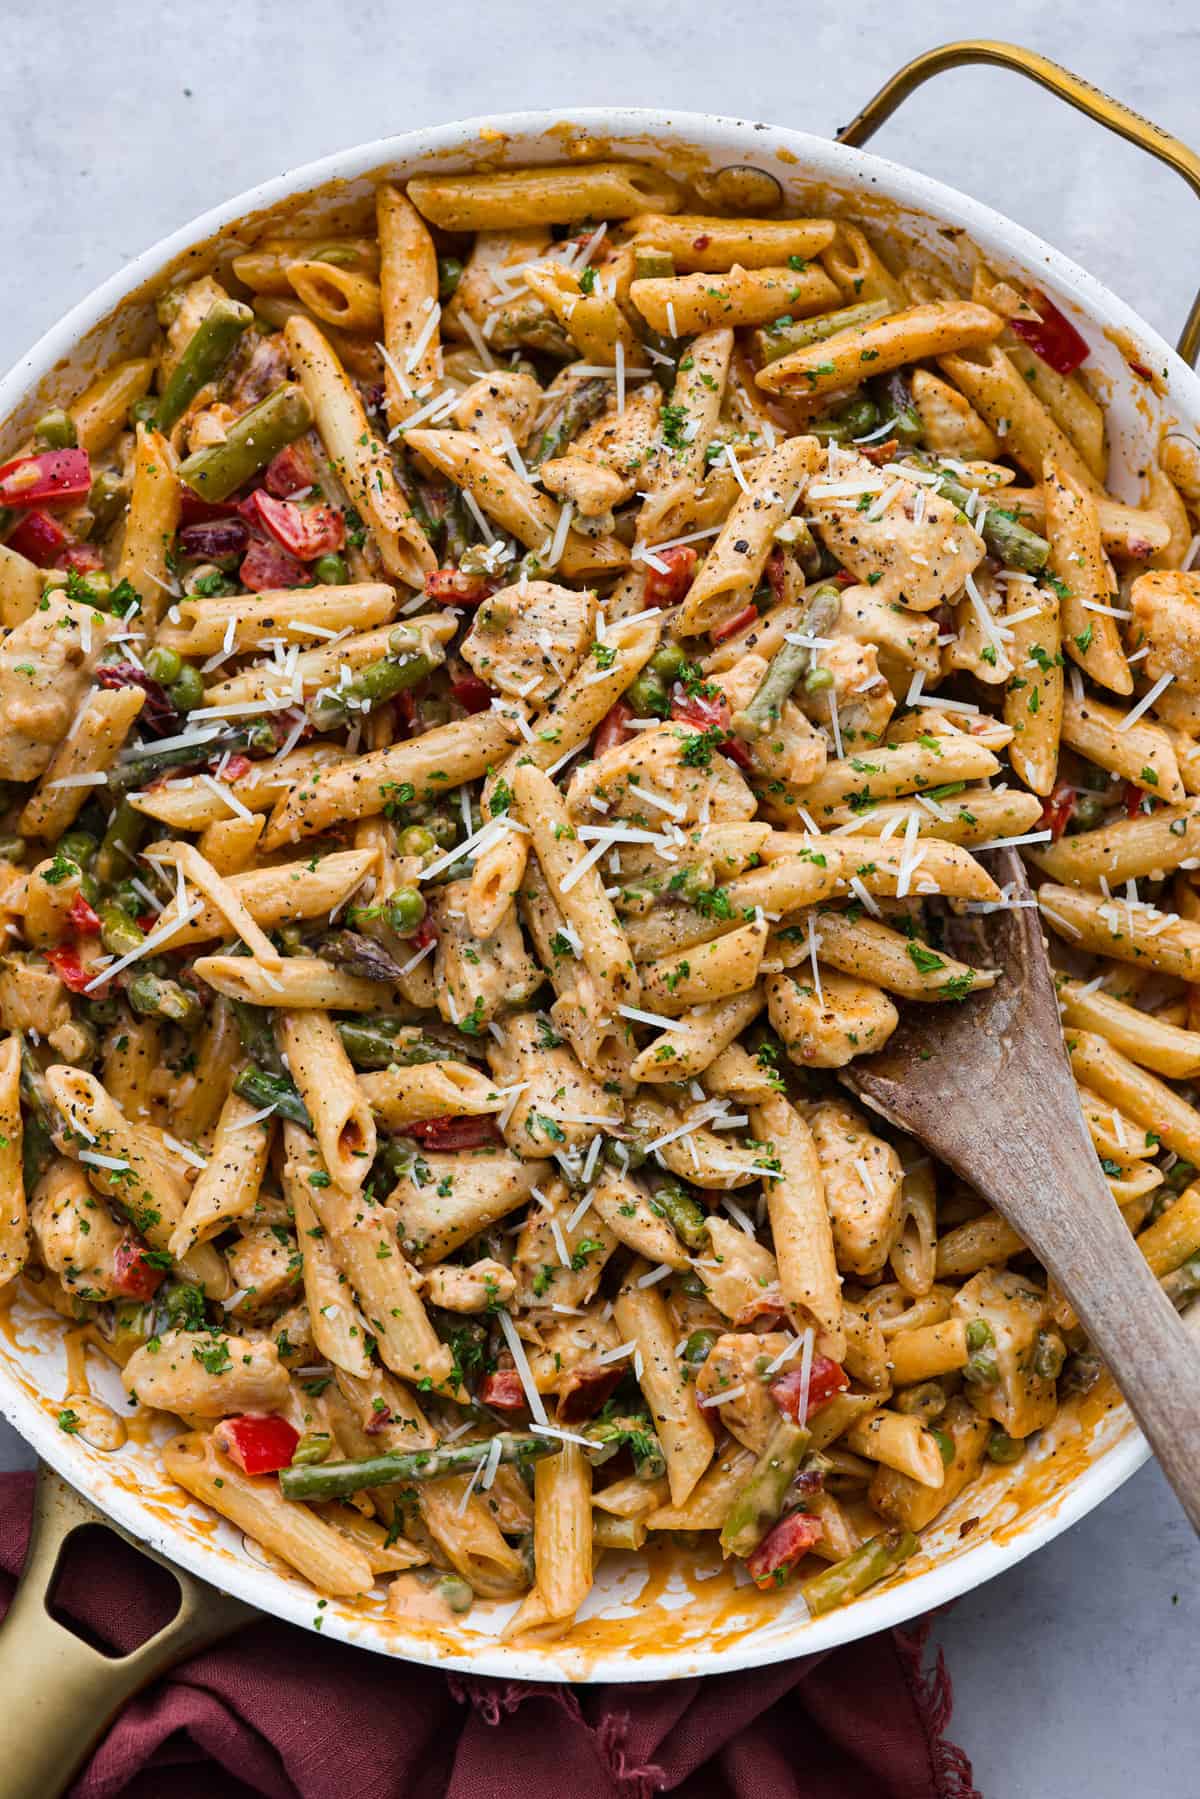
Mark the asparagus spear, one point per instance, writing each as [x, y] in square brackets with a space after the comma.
[408, 661]
[335, 1480]
[902, 416]
[611, 1434]
[264, 1089]
[787, 665]
[780, 339]
[37, 1143]
[580, 406]
[1006, 537]
[685, 1217]
[251, 442]
[855, 1573]
[382, 1042]
[759, 1501]
[154, 996]
[209, 348]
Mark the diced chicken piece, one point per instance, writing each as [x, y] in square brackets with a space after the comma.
[475, 1288]
[1166, 617]
[558, 1091]
[951, 425]
[737, 1364]
[477, 977]
[848, 1018]
[560, 1348]
[919, 548]
[795, 752]
[602, 467]
[489, 292]
[76, 1235]
[207, 1375]
[665, 762]
[501, 404]
[31, 999]
[187, 309]
[864, 702]
[1019, 1399]
[528, 639]
[264, 1265]
[46, 664]
[863, 1179]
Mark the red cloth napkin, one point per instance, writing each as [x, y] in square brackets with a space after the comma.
[275, 1713]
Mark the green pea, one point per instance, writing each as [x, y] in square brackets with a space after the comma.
[648, 696]
[164, 664]
[406, 910]
[458, 1595]
[444, 829]
[945, 1443]
[668, 663]
[982, 1369]
[818, 679]
[979, 1334]
[143, 411]
[416, 841]
[1049, 1354]
[450, 273]
[12, 847]
[80, 846]
[1003, 1448]
[698, 1347]
[187, 690]
[331, 570]
[55, 430]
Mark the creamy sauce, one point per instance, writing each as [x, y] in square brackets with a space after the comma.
[98, 1424]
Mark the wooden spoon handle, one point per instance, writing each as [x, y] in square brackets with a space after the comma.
[1132, 1324]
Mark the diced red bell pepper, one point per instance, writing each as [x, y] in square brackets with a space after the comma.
[1134, 795]
[472, 693]
[69, 969]
[425, 933]
[667, 586]
[767, 1304]
[1057, 810]
[56, 478]
[84, 558]
[306, 532]
[788, 1543]
[844, 578]
[585, 1390]
[257, 1442]
[776, 577]
[739, 622]
[455, 1133]
[83, 917]
[132, 1275]
[880, 453]
[502, 1390]
[39, 538]
[613, 728]
[378, 1420]
[291, 471]
[1052, 336]
[826, 1379]
[266, 565]
[450, 587]
[236, 767]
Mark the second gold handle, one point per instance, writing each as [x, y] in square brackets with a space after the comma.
[1112, 114]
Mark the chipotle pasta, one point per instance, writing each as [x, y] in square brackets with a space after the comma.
[497, 711]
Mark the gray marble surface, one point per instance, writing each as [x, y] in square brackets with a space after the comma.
[1076, 1673]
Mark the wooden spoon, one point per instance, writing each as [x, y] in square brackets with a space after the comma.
[986, 1087]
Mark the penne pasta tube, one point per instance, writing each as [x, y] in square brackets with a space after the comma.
[800, 1226]
[736, 561]
[408, 293]
[900, 1441]
[299, 983]
[153, 521]
[1068, 403]
[627, 1211]
[914, 1252]
[1133, 533]
[402, 1096]
[975, 1245]
[190, 804]
[274, 895]
[340, 1332]
[697, 1038]
[1129, 849]
[1033, 698]
[716, 244]
[562, 1537]
[683, 305]
[883, 771]
[255, 1505]
[469, 1538]
[1174, 1237]
[1125, 930]
[289, 614]
[329, 1088]
[361, 787]
[936, 328]
[552, 196]
[707, 1506]
[924, 1354]
[711, 971]
[1084, 581]
[1141, 1096]
[480, 1191]
[21, 584]
[971, 817]
[1141, 752]
[859, 270]
[1166, 1049]
[361, 460]
[873, 952]
[228, 1185]
[1003, 397]
[642, 1317]
[90, 751]
[101, 412]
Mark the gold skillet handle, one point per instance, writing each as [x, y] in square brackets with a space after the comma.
[59, 1694]
[1071, 88]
